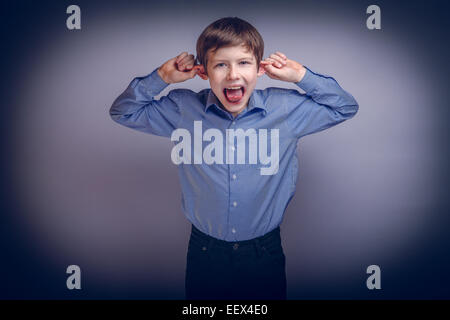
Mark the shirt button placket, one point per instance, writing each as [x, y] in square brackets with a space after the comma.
[233, 177]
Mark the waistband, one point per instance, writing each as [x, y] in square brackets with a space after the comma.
[268, 238]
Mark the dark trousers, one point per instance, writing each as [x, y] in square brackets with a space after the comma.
[250, 269]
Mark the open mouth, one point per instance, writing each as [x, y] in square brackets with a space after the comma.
[234, 94]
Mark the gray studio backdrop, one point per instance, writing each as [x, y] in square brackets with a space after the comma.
[107, 198]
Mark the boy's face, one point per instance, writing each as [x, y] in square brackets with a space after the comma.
[232, 73]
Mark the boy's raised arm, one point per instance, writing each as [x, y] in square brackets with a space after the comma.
[324, 103]
[136, 107]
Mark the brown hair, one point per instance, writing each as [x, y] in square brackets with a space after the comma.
[228, 32]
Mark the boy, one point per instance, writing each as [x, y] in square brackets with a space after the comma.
[235, 205]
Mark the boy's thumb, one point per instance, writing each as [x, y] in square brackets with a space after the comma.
[193, 71]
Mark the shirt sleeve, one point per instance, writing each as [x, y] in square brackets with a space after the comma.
[324, 104]
[136, 107]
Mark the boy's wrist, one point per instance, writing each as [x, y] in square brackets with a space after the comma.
[301, 74]
[162, 75]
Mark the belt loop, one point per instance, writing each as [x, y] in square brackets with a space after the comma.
[258, 247]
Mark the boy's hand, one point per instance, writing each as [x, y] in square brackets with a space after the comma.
[279, 67]
[178, 69]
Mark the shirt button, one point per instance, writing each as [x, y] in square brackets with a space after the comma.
[233, 230]
[234, 122]
[204, 248]
[236, 246]
[232, 148]
[235, 204]
[234, 177]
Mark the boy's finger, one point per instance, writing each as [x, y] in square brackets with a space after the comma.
[189, 66]
[278, 58]
[181, 56]
[272, 71]
[189, 63]
[281, 55]
[267, 71]
[180, 67]
[274, 62]
[186, 59]
[269, 68]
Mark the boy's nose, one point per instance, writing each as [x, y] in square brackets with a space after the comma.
[232, 74]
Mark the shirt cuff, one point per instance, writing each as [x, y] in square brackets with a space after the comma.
[154, 83]
[307, 83]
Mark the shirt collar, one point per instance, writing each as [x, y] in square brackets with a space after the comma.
[255, 101]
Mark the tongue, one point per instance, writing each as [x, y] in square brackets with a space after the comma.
[234, 94]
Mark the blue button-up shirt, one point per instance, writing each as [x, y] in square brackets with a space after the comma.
[231, 200]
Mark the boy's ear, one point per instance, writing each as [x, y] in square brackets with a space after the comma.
[201, 72]
[261, 70]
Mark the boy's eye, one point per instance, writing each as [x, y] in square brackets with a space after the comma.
[220, 64]
[245, 62]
